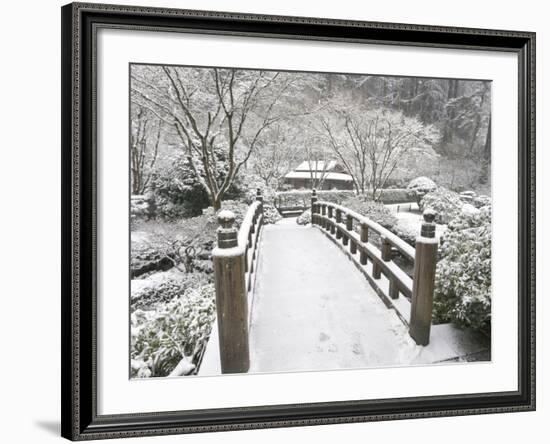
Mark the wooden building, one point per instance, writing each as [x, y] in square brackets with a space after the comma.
[320, 175]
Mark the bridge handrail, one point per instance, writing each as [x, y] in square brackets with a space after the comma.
[248, 239]
[248, 224]
[420, 289]
[406, 249]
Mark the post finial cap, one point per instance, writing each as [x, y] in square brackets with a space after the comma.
[429, 215]
[226, 218]
[428, 226]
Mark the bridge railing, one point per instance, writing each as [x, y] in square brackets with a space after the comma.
[234, 261]
[350, 229]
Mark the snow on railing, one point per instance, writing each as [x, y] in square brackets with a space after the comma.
[393, 239]
[337, 222]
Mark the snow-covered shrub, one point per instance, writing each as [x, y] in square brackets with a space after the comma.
[302, 198]
[395, 195]
[180, 328]
[148, 296]
[142, 206]
[407, 231]
[373, 210]
[304, 218]
[468, 210]
[237, 207]
[335, 196]
[463, 274]
[385, 195]
[271, 215]
[445, 203]
[422, 185]
[481, 201]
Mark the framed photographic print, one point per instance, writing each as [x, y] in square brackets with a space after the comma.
[280, 221]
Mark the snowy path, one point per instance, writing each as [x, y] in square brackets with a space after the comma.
[313, 310]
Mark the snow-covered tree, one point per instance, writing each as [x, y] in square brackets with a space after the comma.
[212, 109]
[275, 155]
[144, 145]
[372, 142]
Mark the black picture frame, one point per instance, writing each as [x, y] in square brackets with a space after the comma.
[79, 390]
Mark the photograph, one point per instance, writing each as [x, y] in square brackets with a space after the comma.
[292, 221]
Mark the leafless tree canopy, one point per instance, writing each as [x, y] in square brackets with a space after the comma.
[231, 124]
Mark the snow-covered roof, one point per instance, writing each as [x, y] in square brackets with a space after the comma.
[318, 175]
[316, 165]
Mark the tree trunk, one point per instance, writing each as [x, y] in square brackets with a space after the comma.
[486, 155]
[474, 135]
[452, 93]
[217, 203]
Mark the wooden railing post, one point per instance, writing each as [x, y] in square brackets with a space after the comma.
[386, 257]
[313, 196]
[231, 297]
[386, 249]
[376, 269]
[260, 199]
[349, 227]
[338, 221]
[364, 239]
[330, 215]
[313, 206]
[424, 281]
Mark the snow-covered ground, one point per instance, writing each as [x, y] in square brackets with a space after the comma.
[287, 221]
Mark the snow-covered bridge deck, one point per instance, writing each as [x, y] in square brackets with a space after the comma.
[312, 309]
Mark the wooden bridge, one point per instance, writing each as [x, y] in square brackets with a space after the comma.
[287, 299]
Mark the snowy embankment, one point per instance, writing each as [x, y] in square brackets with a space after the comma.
[154, 280]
